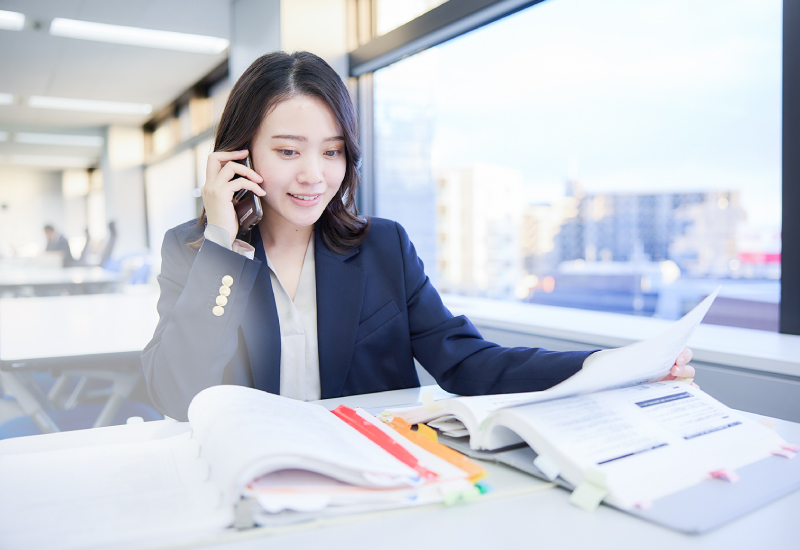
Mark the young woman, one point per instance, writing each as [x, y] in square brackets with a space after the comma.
[314, 302]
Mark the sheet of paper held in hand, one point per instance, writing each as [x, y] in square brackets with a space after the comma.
[637, 363]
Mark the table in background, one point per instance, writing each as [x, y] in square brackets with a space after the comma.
[90, 336]
[512, 516]
[44, 280]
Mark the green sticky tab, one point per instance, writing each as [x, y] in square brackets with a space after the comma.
[470, 494]
[484, 487]
[452, 497]
[588, 496]
[428, 402]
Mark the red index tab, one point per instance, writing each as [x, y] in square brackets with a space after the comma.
[384, 441]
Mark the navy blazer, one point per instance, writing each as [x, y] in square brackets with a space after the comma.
[376, 312]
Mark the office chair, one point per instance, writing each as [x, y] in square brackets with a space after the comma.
[75, 412]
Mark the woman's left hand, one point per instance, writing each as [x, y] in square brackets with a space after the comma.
[681, 368]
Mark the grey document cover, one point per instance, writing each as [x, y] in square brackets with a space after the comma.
[695, 510]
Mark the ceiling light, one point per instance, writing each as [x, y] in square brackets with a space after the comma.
[69, 104]
[6, 99]
[134, 36]
[59, 139]
[52, 161]
[11, 20]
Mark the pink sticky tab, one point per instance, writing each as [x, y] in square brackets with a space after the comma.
[790, 447]
[644, 505]
[784, 453]
[768, 422]
[726, 475]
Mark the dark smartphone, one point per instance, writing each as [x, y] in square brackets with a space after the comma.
[247, 206]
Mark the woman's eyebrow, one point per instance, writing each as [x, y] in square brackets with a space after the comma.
[289, 136]
[303, 138]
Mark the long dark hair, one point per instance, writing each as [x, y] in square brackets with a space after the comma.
[276, 77]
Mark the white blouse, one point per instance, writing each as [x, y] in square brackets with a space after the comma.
[297, 319]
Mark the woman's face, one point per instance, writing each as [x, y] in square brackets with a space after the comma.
[299, 151]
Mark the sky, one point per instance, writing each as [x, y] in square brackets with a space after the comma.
[624, 95]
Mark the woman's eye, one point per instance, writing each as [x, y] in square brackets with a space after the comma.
[287, 152]
[333, 154]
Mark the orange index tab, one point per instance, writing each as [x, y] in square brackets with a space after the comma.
[475, 472]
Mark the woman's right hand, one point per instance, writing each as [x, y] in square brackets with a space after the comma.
[222, 182]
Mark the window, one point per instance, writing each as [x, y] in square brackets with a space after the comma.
[622, 156]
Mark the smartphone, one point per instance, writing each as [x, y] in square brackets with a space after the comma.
[247, 206]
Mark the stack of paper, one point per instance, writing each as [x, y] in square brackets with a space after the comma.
[297, 495]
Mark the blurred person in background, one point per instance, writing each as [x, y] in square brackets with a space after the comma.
[56, 242]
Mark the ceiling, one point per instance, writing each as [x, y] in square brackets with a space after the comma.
[32, 62]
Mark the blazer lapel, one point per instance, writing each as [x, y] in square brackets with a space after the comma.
[340, 293]
[261, 328]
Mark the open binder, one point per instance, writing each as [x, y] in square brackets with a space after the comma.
[695, 510]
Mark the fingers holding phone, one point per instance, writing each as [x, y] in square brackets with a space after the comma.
[225, 176]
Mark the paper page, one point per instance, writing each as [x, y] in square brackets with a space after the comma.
[245, 433]
[426, 495]
[637, 363]
[479, 406]
[303, 491]
[649, 440]
[107, 495]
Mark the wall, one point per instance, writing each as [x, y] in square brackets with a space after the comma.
[123, 186]
[169, 197]
[262, 26]
[317, 26]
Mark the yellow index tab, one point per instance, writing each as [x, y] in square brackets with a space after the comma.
[427, 432]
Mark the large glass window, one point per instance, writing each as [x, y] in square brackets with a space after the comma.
[620, 156]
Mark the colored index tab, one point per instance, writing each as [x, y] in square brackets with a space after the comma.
[425, 431]
[429, 403]
[475, 472]
[768, 422]
[547, 467]
[374, 434]
[725, 474]
[589, 494]
[785, 453]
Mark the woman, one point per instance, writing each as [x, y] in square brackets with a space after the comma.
[314, 302]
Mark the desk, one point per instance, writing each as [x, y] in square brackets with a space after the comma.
[16, 280]
[513, 516]
[98, 335]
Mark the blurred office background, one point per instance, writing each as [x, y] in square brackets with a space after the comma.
[620, 156]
